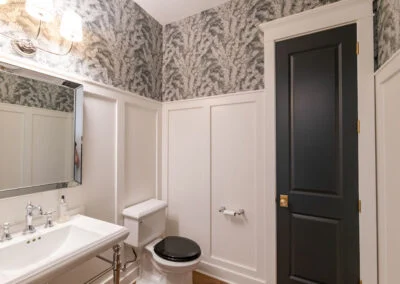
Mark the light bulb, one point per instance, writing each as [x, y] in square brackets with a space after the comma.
[40, 9]
[71, 26]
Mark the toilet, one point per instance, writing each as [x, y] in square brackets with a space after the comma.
[169, 260]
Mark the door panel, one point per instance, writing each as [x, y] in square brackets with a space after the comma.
[314, 160]
[306, 253]
[317, 158]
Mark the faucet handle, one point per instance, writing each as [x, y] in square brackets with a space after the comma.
[29, 205]
[6, 236]
[49, 218]
[49, 214]
[6, 226]
[30, 208]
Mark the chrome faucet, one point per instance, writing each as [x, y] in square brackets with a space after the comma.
[30, 209]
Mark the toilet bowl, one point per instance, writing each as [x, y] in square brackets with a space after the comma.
[157, 269]
[169, 260]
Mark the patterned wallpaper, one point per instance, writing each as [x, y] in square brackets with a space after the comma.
[388, 29]
[215, 52]
[220, 50]
[19, 90]
[122, 44]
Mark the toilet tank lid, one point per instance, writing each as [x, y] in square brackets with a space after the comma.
[143, 209]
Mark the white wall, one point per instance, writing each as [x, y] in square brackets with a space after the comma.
[141, 149]
[213, 156]
[121, 160]
[99, 157]
[121, 153]
[388, 154]
[13, 209]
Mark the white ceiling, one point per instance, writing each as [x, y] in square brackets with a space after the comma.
[168, 11]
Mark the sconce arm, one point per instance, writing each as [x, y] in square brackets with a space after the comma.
[55, 53]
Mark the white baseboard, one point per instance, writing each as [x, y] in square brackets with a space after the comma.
[226, 275]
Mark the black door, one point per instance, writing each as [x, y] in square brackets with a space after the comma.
[317, 158]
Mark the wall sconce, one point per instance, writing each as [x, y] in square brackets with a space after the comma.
[43, 10]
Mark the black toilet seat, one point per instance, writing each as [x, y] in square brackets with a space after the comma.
[177, 249]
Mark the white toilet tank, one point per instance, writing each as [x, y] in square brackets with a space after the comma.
[145, 221]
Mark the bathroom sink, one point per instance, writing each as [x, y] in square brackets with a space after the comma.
[39, 257]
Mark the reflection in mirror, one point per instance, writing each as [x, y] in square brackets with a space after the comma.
[41, 125]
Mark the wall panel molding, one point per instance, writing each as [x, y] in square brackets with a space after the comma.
[214, 156]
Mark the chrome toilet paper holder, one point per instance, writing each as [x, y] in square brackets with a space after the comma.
[234, 213]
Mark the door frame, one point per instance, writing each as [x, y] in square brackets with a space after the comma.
[327, 17]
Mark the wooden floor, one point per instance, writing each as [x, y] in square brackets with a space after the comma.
[199, 278]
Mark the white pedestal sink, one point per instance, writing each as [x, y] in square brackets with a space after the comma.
[39, 257]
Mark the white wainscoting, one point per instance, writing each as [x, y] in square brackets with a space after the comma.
[36, 146]
[213, 156]
[121, 161]
[122, 137]
[388, 157]
[99, 161]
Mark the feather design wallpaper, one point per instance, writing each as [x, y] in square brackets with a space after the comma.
[122, 44]
[220, 51]
[388, 29]
[32, 93]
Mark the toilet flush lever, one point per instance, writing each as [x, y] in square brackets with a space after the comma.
[233, 213]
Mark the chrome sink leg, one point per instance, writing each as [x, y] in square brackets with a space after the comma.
[117, 263]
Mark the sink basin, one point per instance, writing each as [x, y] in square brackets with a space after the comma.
[41, 256]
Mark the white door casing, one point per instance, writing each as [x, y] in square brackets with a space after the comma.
[326, 17]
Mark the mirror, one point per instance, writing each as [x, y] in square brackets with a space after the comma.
[41, 125]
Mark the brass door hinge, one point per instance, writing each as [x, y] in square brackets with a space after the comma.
[358, 48]
[358, 126]
[359, 206]
[360, 281]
